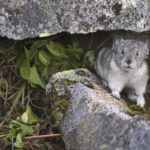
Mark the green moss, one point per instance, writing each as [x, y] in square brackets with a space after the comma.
[133, 113]
[89, 84]
[72, 76]
[136, 110]
[54, 91]
[68, 82]
[59, 111]
[71, 82]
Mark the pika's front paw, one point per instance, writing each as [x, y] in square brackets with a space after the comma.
[140, 101]
[115, 94]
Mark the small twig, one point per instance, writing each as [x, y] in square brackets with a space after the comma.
[16, 100]
[41, 136]
[12, 96]
[91, 42]
[6, 93]
[105, 41]
[102, 43]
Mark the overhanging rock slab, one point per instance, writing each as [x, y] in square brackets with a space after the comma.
[20, 19]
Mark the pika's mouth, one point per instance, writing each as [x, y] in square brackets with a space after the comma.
[128, 68]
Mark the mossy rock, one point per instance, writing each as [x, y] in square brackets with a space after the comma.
[60, 80]
[59, 111]
[136, 110]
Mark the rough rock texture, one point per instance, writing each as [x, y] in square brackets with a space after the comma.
[21, 19]
[94, 120]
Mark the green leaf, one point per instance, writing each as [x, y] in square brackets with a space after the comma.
[26, 130]
[21, 59]
[19, 143]
[89, 58]
[25, 117]
[17, 131]
[35, 47]
[21, 127]
[29, 117]
[74, 49]
[35, 78]
[65, 65]
[25, 70]
[45, 71]
[12, 134]
[56, 49]
[33, 85]
[27, 52]
[36, 60]
[11, 59]
[75, 65]
[7, 142]
[24, 64]
[3, 135]
[77, 56]
[44, 58]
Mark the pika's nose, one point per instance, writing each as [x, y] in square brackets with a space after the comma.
[128, 61]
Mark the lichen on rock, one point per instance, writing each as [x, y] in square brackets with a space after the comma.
[66, 78]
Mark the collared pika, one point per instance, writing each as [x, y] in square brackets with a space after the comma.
[124, 66]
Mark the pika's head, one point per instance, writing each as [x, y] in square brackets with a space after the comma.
[128, 53]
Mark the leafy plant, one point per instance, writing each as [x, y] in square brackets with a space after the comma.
[28, 117]
[44, 58]
[18, 130]
[36, 63]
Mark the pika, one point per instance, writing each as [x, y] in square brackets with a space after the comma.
[124, 66]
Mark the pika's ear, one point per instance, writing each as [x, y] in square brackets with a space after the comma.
[116, 42]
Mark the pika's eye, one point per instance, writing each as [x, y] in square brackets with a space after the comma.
[122, 52]
[137, 54]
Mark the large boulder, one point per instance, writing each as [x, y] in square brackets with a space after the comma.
[21, 19]
[95, 120]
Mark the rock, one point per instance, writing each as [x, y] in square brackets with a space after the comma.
[94, 120]
[20, 19]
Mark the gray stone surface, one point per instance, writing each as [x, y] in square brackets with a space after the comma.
[94, 120]
[21, 19]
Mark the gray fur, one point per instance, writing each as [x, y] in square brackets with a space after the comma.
[124, 65]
